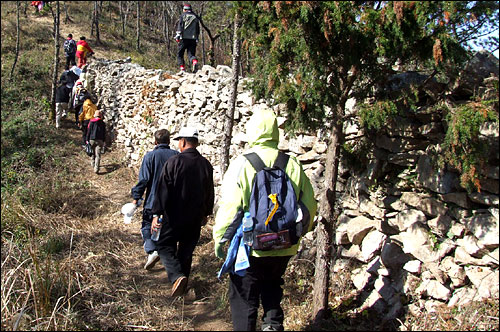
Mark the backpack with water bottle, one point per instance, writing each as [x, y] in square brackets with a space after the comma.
[273, 205]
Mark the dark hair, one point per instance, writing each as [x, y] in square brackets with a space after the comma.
[162, 136]
[82, 38]
[191, 140]
[70, 36]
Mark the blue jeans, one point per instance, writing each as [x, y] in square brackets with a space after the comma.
[147, 219]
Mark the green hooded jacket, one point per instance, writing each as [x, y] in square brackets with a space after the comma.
[263, 137]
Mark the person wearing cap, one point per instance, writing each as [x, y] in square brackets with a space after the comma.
[149, 174]
[188, 30]
[264, 277]
[70, 76]
[96, 136]
[185, 198]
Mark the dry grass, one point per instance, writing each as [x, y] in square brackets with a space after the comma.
[69, 263]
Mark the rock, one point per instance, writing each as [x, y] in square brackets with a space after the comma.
[485, 280]
[406, 218]
[392, 256]
[481, 66]
[434, 289]
[485, 227]
[442, 182]
[358, 227]
[430, 206]
[371, 244]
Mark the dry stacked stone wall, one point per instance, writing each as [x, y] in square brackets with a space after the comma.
[406, 229]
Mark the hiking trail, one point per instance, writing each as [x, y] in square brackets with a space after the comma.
[114, 258]
[107, 255]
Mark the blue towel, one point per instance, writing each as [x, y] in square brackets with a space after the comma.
[237, 256]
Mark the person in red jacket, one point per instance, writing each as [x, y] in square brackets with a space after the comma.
[82, 50]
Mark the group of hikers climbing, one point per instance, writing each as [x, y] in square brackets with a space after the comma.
[263, 184]
[80, 50]
[72, 94]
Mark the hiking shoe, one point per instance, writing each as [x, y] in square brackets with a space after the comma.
[195, 67]
[153, 258]
[272, 328]
[179, 286]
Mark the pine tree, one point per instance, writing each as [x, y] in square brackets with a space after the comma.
[315, 55]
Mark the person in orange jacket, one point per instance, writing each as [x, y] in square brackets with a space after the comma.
[82, 50]
[88, 110]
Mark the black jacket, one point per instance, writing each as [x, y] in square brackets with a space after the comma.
[189, 25]
[62, 94]
[96, 129]
[185, 191]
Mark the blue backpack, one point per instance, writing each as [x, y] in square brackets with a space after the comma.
[273, 205]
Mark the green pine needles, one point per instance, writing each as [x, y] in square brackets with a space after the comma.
[463, 147]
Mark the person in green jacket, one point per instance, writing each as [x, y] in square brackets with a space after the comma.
[264, 277]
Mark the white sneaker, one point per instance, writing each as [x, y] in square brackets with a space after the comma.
[153, 258]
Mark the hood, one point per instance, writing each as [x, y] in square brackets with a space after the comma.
[262, 129]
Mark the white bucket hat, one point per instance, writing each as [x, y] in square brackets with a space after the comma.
[128, 212]
[187, 132]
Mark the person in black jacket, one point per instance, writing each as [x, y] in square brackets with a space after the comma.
[96, 136]
[185, 198]
[62, 100]
[149, 175]
[188, 30]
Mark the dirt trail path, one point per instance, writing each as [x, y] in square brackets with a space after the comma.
[112, 258]
[115, 292]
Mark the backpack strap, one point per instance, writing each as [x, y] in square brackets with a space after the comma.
[281, 161]
[255, 160]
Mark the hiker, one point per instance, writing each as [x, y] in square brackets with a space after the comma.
[188, 29]
[78, 96]
[69, 47]
[262, 280]
[149, 174]
[185, 198]
[62, 100]
[96, 136]
[88, 110]
[82, 51]
[70, 76]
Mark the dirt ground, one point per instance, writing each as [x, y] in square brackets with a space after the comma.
[109, 257]
[118, 286]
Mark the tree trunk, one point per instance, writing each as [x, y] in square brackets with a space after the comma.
[138, 26]
[66, 15]
[125, 15]
[203, 55]
[18, 29]
[96, 19]
[165, 28]
[228, 126]
[122, 17]
[325, 236]
[52, 114]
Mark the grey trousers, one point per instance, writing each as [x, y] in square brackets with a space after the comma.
[97, 147]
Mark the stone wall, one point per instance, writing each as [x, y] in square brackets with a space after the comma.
[405, 228]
